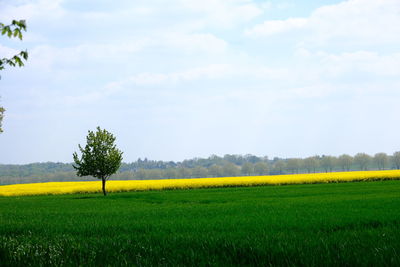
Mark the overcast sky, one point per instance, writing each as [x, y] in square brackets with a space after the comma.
[186, 78]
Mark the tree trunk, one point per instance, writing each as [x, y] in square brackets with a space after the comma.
[103, 180]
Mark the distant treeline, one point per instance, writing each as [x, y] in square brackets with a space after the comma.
[213, 166]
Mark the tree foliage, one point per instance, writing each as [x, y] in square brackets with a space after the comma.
[212, 166]
[345, 161]
[396, 159]
[328, 163]
[381, 160]
[100, 158]
[231, 169]
[311, 164]
[1, 118]
[261, 168]
[14, 30]
[215, 170]
[279, 166]
[293, 165]
[247, 168]
[362, 160]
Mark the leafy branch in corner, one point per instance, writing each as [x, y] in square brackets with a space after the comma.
[14, 30]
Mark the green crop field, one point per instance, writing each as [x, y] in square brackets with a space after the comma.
[342, 224]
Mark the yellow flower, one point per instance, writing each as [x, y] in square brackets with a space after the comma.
[140, 185]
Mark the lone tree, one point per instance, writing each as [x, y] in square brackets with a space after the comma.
[100, 157]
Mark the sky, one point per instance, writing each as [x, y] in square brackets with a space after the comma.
[179, 79]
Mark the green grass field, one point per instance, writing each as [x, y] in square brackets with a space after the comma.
[342, 224]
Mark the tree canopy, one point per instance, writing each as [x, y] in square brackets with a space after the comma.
[213, 166]
[100, 158]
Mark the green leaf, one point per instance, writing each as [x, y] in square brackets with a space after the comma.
[24, 54]
[14, 30]
[4, 30]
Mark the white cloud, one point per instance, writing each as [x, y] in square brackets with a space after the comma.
[353, 21]
[208, 72]
[152, 64]
[45, 56]
[223, 13]
[194, 42]
[315, 90]
[358, 20]
[271, 27]
[7, 52]
[32, 10]
[361, 61]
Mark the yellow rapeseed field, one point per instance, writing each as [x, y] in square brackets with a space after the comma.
[138, 185]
